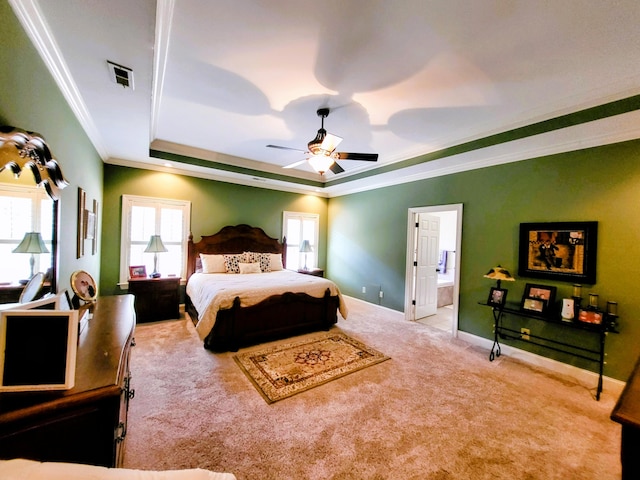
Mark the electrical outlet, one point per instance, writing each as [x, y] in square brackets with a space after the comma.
[364, 289]
[524, 333]
[381, 294]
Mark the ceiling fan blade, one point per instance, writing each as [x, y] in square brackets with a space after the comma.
[285, 148]
[330, 142]
[335, 168]
[365, 157]
[293, 165]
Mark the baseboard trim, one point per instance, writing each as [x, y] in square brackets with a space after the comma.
[390, 310]
[584, 377]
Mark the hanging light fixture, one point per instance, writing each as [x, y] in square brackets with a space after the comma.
[320, 163]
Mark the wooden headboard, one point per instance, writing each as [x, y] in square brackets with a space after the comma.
[234, 239]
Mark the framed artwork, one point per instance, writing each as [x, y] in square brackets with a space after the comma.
[564, 251]
[138, 271]
[94, 240]
[90, 225]
[497, 297]
[82, 199]
[87, 224]
[538, 299]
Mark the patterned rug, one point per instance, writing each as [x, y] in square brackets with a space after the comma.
[286, 369]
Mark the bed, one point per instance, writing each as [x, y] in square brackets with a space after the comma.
[233, 310]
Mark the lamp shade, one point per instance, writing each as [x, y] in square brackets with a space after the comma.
[31, 243]
[305, 247]
[320, 163]
[155, 245]
[498, 273]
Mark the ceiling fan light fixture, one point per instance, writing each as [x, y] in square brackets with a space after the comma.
[315, 144]
[320, 163]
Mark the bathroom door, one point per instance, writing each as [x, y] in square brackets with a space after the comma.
[426, 265]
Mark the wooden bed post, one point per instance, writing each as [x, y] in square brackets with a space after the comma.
[191, 256]
[284, 252]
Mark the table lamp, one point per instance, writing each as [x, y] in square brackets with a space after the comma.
[155, 246]
[498, 273]
[31, 243]
[306, 249]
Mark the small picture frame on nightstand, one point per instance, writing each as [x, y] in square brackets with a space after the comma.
[137, 271]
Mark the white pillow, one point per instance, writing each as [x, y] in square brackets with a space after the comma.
[250, 267]
[212, 263]
[276, 262]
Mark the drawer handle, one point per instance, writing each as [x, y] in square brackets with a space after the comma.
[121, 432]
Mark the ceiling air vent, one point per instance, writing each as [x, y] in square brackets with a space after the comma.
[121, 75]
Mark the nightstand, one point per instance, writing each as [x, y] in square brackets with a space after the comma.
[156, 298]
[316, 272]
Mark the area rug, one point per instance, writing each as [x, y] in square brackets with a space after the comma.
[287, 369]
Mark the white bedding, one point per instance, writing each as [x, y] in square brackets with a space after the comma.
[20, 469]
[210, 292]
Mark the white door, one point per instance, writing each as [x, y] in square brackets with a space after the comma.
[426, 265]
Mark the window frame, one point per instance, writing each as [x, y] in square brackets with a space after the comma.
[302, 216]
[36, 195]
[128, 202]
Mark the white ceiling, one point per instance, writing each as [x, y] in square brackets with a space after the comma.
[219, 80]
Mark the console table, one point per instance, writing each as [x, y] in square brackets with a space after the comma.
[594, 355]
[88, 423]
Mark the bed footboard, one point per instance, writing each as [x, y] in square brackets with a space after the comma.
[279, 316]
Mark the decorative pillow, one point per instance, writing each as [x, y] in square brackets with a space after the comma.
[276, 262]
[254, 257]
[249, 267]
[250, 257]
[231, 262]
[198, 265]
[212, 263]
[265, 262]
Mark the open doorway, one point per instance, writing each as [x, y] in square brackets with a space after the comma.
[420, 259]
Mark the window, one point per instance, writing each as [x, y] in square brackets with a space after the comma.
[23, 209]
[146, 216]
[298, 227]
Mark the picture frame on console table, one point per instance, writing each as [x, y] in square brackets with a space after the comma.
[497, 297]
[538, 299]
[563, 251]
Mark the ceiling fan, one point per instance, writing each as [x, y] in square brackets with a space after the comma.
[322, 150]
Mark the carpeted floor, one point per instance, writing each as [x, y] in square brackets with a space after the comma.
[439, 410]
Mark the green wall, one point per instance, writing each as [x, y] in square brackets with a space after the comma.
[31, 100]
[213, 206]
[367, 235]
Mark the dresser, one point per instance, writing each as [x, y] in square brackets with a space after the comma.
[156, 298]
[88, 423]
[627, 413]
